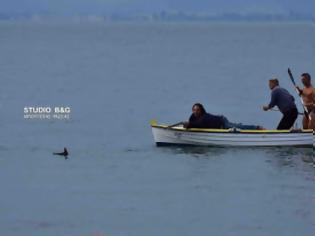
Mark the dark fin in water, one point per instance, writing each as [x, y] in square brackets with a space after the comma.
[65, 153]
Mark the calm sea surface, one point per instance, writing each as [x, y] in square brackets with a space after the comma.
[115, 78]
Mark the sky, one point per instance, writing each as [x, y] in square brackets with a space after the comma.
[75, 7]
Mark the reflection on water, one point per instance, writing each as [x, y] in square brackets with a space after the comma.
[40, 224]
[308, 159]
[195, 151]
[284, 153]
[293, 161]
[279, 157]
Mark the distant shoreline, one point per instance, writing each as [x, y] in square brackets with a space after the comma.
[105, 22]
[162, 16]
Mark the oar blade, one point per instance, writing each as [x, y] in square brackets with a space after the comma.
[291, 76]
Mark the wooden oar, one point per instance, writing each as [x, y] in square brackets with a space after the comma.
[171, 126]
[298, 92]
[154, 123]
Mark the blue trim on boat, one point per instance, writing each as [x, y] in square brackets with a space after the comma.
[163, 144]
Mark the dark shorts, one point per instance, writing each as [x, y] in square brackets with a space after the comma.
[288, 119]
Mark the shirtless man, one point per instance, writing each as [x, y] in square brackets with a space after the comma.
[307, 96]
[311, 124]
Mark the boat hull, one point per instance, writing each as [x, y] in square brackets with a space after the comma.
[236, 138]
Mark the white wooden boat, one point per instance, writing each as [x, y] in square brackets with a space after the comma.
[166, 135]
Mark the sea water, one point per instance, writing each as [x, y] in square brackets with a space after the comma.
[114, 78]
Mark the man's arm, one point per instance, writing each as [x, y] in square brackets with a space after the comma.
[273, 102]
[196, 123]
[274, 98]
[300, 90]
[188, 124]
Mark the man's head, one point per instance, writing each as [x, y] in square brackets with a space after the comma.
[198, 110]
[273, 83]
[306, 79]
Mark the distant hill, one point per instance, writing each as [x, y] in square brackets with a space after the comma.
[165, 16]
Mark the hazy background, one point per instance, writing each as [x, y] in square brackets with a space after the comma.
[14, 8]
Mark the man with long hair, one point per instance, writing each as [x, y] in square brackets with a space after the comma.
[201, 119]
